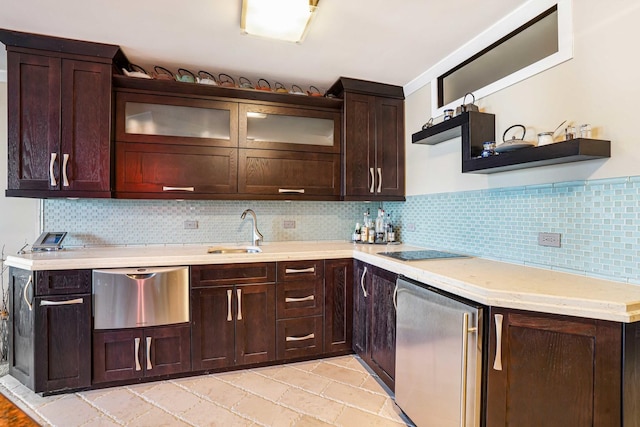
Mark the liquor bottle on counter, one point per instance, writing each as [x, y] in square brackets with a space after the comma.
[356, 233]
[390, 232]
[380, 227]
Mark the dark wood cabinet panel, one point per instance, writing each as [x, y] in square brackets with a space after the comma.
[554, 371]
[212, 328]
[301, 298]
[338, 305]
[50, 338]
[152, 118]
[373, 146]
[233, 323]
[382, 345]
[117, 355]
[126, 354]
[374, 324]
[390, 159]
[299, 337]
[85, 145]
[63, 342]
[62, 282]
[289, 174]
[288, 128]
[255, 324]
[59, 124]
[22, 323]
[360, 310]
[232, 274]
[33, 84]
[300, 270]
[174, 170]
[167, 350]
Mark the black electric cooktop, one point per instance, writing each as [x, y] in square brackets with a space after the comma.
[420, 255]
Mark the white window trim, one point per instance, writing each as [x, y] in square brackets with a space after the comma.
[511, 22]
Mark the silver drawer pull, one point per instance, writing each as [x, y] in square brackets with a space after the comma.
[136, 351]
[52, 175]
[149, 366]
[300, 270]
[306, 337]
[164, 188]
[309, 298]
[229, 316]
[497, 361]
[68, 302]
[379, 180]
[65, 179]
[24, 293]
[291, 190]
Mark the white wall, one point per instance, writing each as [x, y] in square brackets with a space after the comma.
[600, 86]
[18, 217]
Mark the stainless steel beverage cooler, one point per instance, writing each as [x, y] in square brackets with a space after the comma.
[140, 297]
[438, 356]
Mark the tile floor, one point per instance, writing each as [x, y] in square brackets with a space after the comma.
[337, 391]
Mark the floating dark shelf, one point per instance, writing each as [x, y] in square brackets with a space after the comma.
[575, 150]
[474, 127]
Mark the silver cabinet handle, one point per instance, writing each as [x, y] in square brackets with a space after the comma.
[364, 291]
[65, 160]
[136, 343]
[395, 297]
[300, 270]
[239, 293]
[466, 330]
[68, 302]
[290, 190]
[307, 298]
[379, 180]
[306, 337]
[24, 293]
[497, 362]
[229, 295]
[149, 367]
[165, 188]
[52, 175]
[373, 180]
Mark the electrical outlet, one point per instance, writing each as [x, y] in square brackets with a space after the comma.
[190, 224]
[289, 224]
[411, 227]
[549, 239]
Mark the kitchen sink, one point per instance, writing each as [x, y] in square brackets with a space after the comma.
[235, 250]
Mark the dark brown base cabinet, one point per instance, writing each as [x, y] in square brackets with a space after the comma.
[233, 315]
[374, 328]
[338, 305]
[550, 370]
[128, 354]
[50, 337]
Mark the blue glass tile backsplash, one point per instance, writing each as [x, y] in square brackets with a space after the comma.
[599, 222]
[96, 222]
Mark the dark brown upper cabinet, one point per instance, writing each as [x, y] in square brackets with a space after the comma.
[288, 128]
[373, 145]
[59, 96]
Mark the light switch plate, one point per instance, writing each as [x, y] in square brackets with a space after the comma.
[289, 224]
[549, 239]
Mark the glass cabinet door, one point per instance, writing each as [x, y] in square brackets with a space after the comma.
[282, 128]
[175, 120]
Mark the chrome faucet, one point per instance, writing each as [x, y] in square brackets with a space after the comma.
[256, 237]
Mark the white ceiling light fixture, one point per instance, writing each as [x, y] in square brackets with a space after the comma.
[277, 19]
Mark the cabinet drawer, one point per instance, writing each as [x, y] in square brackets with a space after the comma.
[232, 274]
[299, 337]
[174, 169]
[296, 299]
[63, 282]
[300, 270]
[289, 174]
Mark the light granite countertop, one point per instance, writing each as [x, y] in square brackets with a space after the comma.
[488, 282]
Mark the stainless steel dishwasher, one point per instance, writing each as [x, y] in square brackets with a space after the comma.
[438, 356]
[139, 297]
